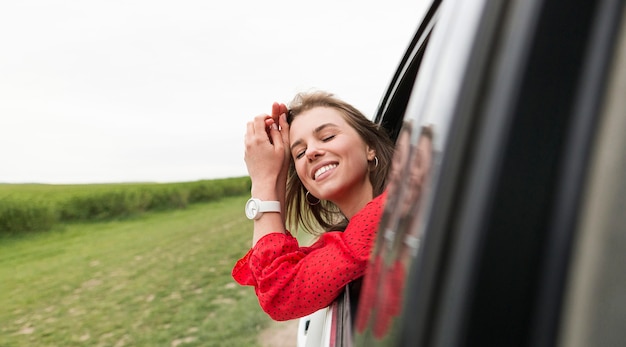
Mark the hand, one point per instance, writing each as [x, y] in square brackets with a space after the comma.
[264, 154]
[267, 159]
[279, 116]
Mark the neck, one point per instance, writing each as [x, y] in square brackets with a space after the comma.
[351, 204]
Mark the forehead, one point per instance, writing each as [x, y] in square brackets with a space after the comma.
[309, 120]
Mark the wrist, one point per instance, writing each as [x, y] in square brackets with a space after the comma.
[264, 197]
[256, 208]
[264, 193]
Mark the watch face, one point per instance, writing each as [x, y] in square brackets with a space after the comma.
[252, 209]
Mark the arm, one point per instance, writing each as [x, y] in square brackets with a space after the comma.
[292, 281]
[304, 280]
[265, 157]
[279, 116]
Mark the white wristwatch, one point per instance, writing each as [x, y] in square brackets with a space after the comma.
[256, 207]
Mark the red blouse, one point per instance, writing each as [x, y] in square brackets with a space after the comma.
[292, 281]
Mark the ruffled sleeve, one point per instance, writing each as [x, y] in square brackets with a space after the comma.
[292, 281]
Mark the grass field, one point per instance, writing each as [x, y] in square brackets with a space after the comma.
[158, 279]
[39, 207]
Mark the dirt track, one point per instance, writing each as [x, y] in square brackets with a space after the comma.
[279, 334]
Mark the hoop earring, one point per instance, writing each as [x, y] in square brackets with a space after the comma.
[375, 164]
[308, 199]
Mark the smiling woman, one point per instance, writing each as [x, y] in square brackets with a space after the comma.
[329, 163]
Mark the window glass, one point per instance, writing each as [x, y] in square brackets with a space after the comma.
[399, 234]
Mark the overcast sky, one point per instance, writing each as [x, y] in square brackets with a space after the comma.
[160, 91]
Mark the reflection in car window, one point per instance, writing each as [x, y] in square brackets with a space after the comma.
[371, 283]
[399, 233]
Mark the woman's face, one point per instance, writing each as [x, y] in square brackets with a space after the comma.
[330, 158]
[400, 157]
[419, 171]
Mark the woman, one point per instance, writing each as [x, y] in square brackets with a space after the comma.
[321, 166]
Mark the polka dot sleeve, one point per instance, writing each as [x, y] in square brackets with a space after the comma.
[292, 281]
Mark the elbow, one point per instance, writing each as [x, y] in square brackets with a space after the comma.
[280, 315]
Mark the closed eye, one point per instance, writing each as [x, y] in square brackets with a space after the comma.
[299, 154]
[328, 138]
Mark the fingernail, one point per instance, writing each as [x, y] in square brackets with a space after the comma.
[274, 126]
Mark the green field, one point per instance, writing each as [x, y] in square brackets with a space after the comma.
[154, 279]
[39, 207]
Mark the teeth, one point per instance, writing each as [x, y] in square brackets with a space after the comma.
[323, 169]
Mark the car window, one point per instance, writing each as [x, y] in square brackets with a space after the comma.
[420, 144]
[399, 234]
[392, 107]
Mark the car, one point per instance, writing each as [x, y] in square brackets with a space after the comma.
[505, 220]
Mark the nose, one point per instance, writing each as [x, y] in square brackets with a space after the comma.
[313, 152]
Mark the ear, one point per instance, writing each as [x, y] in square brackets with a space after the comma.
[371, 153]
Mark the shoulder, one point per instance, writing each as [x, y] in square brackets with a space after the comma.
[372, 212]
[375, 205]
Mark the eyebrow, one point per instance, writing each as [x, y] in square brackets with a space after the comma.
[315, 131]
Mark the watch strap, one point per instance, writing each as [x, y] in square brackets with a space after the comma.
[269, 206]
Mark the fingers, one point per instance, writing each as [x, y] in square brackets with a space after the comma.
[277, 110]
[276, 136]
[274, 127]
[259, 122]
[261, 125]
[258, 127]
[284, 128]
[283, 109]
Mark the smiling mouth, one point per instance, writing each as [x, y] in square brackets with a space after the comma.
[323, 169]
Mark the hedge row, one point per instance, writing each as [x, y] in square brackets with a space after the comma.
[16, 215]
[23, 214]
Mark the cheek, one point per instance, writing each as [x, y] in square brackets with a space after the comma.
[301, 171]
[363, 161]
